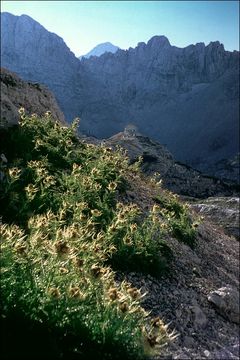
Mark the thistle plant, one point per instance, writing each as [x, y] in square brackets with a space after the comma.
[64, 233]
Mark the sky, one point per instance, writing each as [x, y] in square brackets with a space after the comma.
[84, 24]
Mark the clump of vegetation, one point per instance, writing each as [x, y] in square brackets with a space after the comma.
[62, 234]
[177, 217]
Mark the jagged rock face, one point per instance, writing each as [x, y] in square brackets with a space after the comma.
[186, 98]
[35, 98]
[177, 177]
[40, 56]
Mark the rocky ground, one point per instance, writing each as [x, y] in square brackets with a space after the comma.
[181, 298]
[221, 211]
[206, 322]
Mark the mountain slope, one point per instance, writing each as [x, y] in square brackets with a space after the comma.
[67, 220]
[34, 98]
[40, 56]
[100, 49]
[186, 98]
[175, 176]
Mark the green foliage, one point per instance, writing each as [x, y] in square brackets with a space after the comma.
[177, 217]
[62, 232]
[139, 242]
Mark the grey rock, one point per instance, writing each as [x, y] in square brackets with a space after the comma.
[175, 176]
[35, 98]
[186, 98]
[223, 211]
[207, 353]
[226, 301]
[200, 319]
[188, 341]
[38, 55]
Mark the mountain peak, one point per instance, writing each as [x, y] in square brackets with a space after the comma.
[100, 49]
[159, 40]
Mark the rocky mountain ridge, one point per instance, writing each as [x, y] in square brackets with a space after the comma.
[186, 98]
[100, 49]
[177, 96]
[177, 177]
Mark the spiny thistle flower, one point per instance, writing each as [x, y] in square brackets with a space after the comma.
[78, 262]
[83, 217]
[21, 247]
[134, 293]
[123, 306]
[96, 270]
[195, 224]
[121, 217]
[155, 209]
[48, 114]
[113, 293]
[107, 150]
[21, 110]
[75, 123]
[33, 164]
[76, 168]
[38, 143]
[63, 270]
[95, 171]
[62, 247]
[112, 228]
[31, 190]
[97, 186]
[100, 236]
[159, 182]
[163, 226]
[87, 182]
[69, 143]
[119, 205]
[81, 205]
[14, 173]
[96, 248]
[54, 292]
[112, 186]
[42, 172]
[152, 340]
[157, 322]
[49, 180]
[127, 240]
[133, 227]
[96, 212]
[74, 292]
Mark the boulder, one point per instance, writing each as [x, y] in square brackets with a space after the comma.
[226, 302]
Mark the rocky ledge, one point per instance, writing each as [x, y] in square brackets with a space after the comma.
[35, 98]
[177, 177]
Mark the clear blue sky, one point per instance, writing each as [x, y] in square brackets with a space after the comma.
[84, 24]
